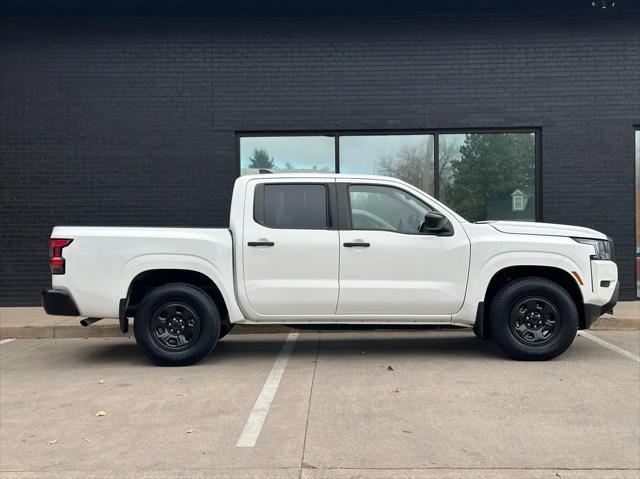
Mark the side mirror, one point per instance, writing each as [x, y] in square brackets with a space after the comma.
[434, 222]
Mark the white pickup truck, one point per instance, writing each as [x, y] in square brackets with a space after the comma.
[335, 249]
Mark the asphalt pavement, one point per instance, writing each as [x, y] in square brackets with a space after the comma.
[427, 404]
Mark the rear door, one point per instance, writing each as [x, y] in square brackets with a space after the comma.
[290, 249]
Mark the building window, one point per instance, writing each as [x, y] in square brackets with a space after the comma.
[406, 157]
[488, 176]
[481, 175]
[287, 154]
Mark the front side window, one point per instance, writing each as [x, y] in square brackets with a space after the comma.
[385, 208]
[295, 206]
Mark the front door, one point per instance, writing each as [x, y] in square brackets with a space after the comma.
[290, 252]
[388, 267]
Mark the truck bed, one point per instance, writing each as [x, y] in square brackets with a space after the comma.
[101, 262]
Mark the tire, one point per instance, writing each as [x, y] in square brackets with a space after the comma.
[177, 324]
[533, 319]
[225, 328]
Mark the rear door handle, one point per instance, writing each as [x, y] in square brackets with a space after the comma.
[356, 244]
[260, 243]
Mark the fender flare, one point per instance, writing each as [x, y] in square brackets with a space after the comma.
[150, 262]
[478, 282]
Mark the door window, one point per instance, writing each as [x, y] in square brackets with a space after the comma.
[295, 206]
[385, 208]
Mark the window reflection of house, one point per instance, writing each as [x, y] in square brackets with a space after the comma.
[519, 200]
[517, 205]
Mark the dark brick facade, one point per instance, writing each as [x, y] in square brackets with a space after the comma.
[131, 122]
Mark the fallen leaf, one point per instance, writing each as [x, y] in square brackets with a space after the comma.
[181, 394]
[362, 352]
[189, 431]
[101, 381]
[53, 441]
[396, 390]
[389, 368]
[101, 413]
[86, 440]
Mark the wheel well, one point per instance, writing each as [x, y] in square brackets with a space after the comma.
[506, 275]
[148, 280]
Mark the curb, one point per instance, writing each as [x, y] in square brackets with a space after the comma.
[112, 330]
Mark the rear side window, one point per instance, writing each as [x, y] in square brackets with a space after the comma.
[294, 206]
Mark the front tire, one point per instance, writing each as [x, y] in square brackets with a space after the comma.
[177, 324]
[533, 319]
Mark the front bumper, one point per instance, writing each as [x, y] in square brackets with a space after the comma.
[593, 311]
[59, 303]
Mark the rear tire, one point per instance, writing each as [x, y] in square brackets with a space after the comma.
[177, 324]
[533, 319]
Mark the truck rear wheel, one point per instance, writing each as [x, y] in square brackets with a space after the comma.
[533, 319]
[177, 324]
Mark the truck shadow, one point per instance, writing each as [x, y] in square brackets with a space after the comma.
[246, 348]
[450, 345]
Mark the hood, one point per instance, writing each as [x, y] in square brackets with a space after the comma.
[545, 229]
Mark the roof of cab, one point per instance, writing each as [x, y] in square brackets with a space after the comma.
[319, 175]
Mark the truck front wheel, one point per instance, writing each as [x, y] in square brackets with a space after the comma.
[177, 324]
[533, 319]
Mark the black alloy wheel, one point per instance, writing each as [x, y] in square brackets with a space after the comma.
[534, 320]
[175, 326]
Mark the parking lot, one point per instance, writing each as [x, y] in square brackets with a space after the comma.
[427, 404]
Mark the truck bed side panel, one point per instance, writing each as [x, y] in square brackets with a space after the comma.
[101, 262]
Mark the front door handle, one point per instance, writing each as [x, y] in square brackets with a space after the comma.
[260, 243]
[356, 244]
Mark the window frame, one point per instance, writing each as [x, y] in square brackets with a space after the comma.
[537, 131]
[636, 132]
[259, 203]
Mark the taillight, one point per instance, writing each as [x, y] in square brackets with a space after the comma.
[56, 261]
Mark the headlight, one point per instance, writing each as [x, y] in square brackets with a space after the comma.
[602, 248]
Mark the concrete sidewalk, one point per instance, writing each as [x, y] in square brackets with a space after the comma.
[34, 323]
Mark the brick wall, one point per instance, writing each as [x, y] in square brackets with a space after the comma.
[122, 122]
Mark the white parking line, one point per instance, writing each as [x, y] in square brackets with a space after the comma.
[608, 345]
[5, 341]
[260, 409]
